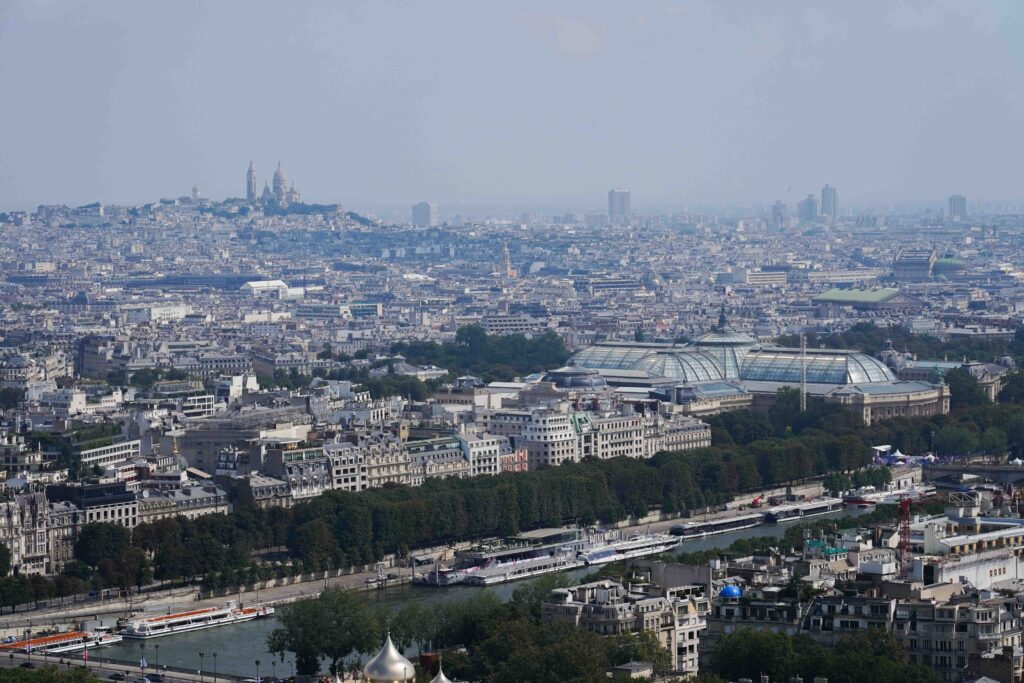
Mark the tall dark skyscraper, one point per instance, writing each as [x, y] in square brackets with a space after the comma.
[778, 215]
[808, 209]
[424, 215]
[958, 208]
[829, 202]
[618, 204]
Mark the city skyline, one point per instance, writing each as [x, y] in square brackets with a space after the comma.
[372, 121]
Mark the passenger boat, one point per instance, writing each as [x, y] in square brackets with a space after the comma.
[529, 554]
[859, 501]
[501, 572]
[69, 641]
[605, 551]
[193, 620]
[440, 576]
[809, 508]
[717, 526]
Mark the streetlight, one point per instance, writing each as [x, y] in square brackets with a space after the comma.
[200, 666]
[257, 671]
[12, 659]
[215, 667]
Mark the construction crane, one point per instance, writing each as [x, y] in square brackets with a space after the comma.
[904, 529]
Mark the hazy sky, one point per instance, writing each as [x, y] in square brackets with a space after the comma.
[481, 102]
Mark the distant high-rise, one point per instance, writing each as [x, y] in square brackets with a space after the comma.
[778, 215]
[618, 204]
[958, 208]
[829, 202]
[506, 263]
[250, 184]
[808, 209]
[424, 215]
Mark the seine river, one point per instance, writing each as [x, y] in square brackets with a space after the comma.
[238, 647]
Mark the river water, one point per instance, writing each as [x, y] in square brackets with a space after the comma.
[238, 647]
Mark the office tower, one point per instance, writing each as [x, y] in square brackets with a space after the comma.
[829, 202]
[424, 215]
[808, 209]
[958, 208]
[250, 184]
[778, 215]
[618, 204]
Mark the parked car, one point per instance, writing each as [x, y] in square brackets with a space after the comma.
[116, 676]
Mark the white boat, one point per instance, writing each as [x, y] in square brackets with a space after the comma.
[193, 620]
[529, 554]
[810, 508]
[720, 525]
[500, 572]
[69, 641]
[603, 552]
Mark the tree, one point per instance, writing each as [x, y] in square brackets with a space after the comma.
[49, 674]
[101, 541]
[955, 440]
[333, 626]
[5, 560]
[964, 390]
[748, 654]
[993, 441]
[836, 482]
[145, 377]
[1013, 388]
[10, 397]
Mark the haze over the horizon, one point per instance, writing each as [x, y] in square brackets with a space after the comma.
[480, 102]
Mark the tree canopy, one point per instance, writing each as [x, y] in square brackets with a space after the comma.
[490, 357]
[334, 626]
[872, 655]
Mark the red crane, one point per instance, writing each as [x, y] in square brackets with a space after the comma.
[904, 546]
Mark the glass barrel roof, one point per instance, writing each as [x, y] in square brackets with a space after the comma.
[743, 361]
[685, 366]
[778, 365]
[612, 356]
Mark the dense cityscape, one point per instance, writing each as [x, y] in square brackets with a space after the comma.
[714, 405]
